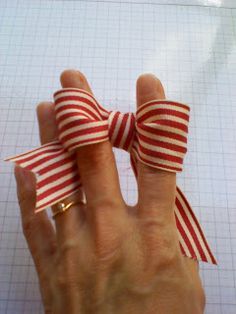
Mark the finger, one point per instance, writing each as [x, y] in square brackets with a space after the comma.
[46, 122]
[156, 187]
[69, 222]
[97, 168]
[37, 228]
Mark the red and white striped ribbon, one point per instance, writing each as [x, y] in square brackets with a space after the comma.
[156, 136]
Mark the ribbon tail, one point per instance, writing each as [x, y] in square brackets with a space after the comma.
[192, 241]
[55, 170]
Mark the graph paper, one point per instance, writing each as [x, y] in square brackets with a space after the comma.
[189, 46]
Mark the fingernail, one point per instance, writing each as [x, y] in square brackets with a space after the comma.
[73, 78]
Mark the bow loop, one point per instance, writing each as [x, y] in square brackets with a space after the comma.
[80, 119]
[162, 129]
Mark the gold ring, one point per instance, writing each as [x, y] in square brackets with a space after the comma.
[62, 207]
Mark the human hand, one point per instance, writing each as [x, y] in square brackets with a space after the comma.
[106, 256]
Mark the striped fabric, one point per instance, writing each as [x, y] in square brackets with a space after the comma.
[156, 136]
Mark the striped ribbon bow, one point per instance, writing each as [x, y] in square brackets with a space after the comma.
[156, 136]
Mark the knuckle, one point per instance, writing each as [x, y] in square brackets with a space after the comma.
[157, 195]
[25, 196]
[103, 207]
[107, 254]
[161, 241]
[68, 247]
[99, 156]
[43, 274]
[165, 253]
[28, 226]
[108, 246]
[168, 256]
[150, 223]
[49, 249]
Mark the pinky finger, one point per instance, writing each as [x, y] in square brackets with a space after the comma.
[37, 228]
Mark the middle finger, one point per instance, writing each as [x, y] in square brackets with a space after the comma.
[96, 164]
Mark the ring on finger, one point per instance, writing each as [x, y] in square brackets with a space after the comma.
[62, 207]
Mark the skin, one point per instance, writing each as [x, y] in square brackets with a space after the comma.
[105, 256]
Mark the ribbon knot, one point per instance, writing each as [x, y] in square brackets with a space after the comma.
[156, 135]
[121, 129]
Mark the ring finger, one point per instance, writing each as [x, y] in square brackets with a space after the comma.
[67, 223]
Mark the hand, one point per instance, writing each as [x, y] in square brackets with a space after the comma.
[105, 256]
